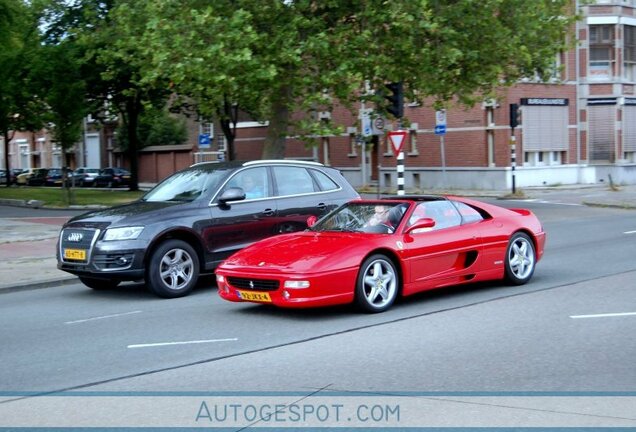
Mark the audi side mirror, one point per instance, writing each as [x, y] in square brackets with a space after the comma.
[232, 194]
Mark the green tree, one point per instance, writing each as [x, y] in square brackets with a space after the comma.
[20, 108]
[273, 58]
[111, 75]
[157, 127]
[63, 89]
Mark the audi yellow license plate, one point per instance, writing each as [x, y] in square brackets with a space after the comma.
[75, 254]
[254, 296]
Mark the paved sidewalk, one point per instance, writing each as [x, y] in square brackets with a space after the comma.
[27, 245]
[27, 252]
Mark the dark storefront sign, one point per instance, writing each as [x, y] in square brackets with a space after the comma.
[545, 101]
[603, 101]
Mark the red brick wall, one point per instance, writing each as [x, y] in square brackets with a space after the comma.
[158, 162]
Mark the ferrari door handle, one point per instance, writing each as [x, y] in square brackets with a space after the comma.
[322, 206]
[268, 212]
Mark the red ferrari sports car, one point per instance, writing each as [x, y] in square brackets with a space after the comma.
[371, 251]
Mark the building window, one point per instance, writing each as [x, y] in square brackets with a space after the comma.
[601, 52]
[207, 128]
[545, 131]
[413, 140]
[601, 133]
[57, 156]
[629, 132]
[539, 158]
[629, 53]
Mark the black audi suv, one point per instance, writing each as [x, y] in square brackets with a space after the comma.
[191, 221]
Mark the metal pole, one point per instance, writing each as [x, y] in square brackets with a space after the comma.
[513, 159]
[379, 151]
[363, 158]
[443, 155]
[400, 173]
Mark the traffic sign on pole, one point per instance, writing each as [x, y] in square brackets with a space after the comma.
[378, 126]
[397, 139]
[440, 122]
[204, 140]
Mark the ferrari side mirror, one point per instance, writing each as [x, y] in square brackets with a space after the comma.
[311, 221]
[421, 225]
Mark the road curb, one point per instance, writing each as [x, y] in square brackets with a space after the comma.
[21, 203]
[39, 285]
[623, 206]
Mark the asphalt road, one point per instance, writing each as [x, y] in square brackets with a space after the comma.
[481, 337]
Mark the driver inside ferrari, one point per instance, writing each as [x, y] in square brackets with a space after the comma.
[380, 216]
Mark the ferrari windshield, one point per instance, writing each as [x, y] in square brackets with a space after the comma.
[381, 218]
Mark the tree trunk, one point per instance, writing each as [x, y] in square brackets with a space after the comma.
[229, 118]
[6, 159]
[230, 135]
[274, 147]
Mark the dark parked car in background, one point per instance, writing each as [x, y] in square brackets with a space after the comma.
[54, 177]
[38, 177]
[191, 221]
[12, 175]
[84, 176]
[112, 177]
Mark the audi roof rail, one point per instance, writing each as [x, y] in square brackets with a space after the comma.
[283, 161]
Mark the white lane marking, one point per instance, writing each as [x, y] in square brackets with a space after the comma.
[181, 343]
[540, 201]
[630, 232]
[604, 315]
[102, 317]
[42, 217]
[560, 203]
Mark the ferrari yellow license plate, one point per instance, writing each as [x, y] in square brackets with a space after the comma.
[75, 254]
[254, 296]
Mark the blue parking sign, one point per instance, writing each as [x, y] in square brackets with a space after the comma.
[204, 140]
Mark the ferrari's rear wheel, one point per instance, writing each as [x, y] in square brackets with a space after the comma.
[377, 284]
[520, 259]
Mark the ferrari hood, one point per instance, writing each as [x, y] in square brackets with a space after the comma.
[305, 252]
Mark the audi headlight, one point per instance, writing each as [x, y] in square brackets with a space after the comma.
[126, 233]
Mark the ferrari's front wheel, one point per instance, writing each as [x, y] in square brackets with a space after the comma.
[377, 284]
[520, 259]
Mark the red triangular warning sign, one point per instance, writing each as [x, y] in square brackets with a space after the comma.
[397, 139]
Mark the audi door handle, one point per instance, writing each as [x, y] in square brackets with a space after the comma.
[268, 212]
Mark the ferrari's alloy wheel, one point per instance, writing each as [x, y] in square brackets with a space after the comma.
[377, 284]
[173, 269]
[520, 259]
